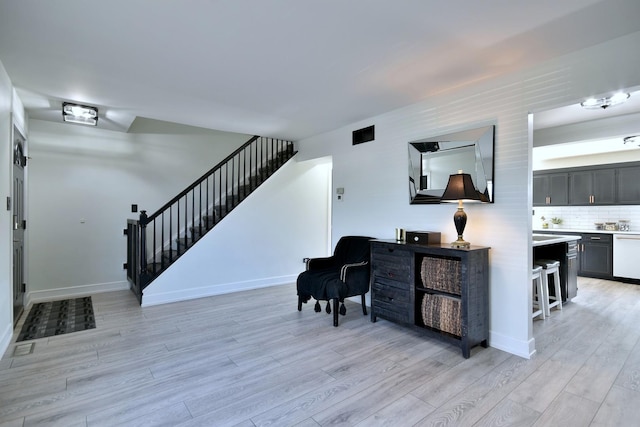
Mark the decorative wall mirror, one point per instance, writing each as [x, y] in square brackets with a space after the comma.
[432, 160]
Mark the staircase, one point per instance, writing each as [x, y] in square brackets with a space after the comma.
[156, 241]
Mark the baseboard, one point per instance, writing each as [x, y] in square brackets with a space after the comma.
[5, 339]
[149, 298]
[524, 349]
[73, 292]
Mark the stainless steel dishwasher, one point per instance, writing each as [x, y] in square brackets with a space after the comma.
[626, 251]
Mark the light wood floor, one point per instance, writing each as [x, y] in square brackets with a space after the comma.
[251, 359]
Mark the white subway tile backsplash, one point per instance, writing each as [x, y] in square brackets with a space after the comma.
[584, 217]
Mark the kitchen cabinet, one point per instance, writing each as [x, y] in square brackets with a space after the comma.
[592, 187]
[615, 184]
[595, 255]
[550, 189]
[628, 183]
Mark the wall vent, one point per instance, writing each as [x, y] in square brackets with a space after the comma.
[364, 135]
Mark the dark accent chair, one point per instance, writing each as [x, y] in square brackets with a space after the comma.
[343, 275]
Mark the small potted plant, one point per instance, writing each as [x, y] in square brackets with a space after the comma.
[556, 222]
[545, 224]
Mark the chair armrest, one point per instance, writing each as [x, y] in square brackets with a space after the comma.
[348, 268]
[320, 263]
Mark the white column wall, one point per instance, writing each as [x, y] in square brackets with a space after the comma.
[375, 174]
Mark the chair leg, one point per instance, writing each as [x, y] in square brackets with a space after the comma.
[335, 311]
[364, 306]
[299, 303]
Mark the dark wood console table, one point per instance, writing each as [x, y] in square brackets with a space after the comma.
[439, 290]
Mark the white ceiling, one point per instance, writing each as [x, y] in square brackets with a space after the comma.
[282, 68]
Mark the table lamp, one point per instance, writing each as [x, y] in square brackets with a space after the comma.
[460, 188]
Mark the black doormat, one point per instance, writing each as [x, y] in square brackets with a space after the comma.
[46, 319]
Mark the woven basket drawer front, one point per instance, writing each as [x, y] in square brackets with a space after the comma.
[442, 312]
[442, 274]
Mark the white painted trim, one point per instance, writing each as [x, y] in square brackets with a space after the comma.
[5, 339]
[525, 349]
[216, 289]
[74, 292]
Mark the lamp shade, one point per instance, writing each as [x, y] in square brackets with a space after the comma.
[460, 187]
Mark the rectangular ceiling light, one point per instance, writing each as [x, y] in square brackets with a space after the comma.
[81, 114]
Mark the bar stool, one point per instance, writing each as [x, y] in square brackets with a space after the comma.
[551, 268]
[539, 295]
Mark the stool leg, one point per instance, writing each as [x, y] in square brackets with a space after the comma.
[537, 297]
[545, 295]
[557, 298]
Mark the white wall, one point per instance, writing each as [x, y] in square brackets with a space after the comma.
[262, 242]
[82, 182]
[374, 174]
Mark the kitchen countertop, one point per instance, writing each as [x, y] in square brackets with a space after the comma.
[581, 230]
[551, 239]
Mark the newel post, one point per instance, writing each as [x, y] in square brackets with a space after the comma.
[143, 241]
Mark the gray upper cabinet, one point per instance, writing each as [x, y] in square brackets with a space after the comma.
[628, 181]
[615, 184]
[550, 189]
[592, 187]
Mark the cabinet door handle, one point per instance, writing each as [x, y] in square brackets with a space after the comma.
[595, 238]
[548, 200]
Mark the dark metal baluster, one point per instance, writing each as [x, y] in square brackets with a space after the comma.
[170, 233]
[193, 214]
[200, 208]
[186, 224]
[153, 247]
[162, 262]
[214, 201]
[272, 162]
[254, 159]
[177, 222]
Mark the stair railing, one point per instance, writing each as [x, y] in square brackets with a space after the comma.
[155, 241]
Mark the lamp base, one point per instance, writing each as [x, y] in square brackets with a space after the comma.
[460, 244]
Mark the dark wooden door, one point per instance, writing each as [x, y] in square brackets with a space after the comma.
[19, 223]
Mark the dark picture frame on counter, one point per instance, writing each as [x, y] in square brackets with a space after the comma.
[432, 160]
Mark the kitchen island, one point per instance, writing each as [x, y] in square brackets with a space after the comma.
[563, 248]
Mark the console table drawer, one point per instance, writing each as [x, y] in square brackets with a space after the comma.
[391, 253]
[391, 264]
[391, 298]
